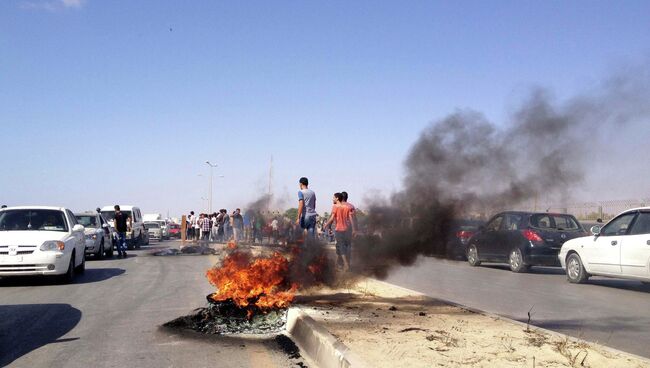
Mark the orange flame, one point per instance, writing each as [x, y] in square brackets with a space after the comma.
[261, 281]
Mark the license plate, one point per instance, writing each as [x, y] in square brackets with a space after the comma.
[11, 259]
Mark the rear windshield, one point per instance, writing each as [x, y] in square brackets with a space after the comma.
[44, 220]
[110, 215]
[554, 222]
[87, 221]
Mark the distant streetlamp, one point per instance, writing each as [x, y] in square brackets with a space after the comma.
[212, 166]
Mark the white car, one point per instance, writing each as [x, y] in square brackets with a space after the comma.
[41, 241]
[137, 234]
[621, 249]
[99, 240]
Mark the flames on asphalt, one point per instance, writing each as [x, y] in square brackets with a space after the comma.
[264, 282]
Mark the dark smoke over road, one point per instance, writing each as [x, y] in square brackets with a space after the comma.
[464, 165]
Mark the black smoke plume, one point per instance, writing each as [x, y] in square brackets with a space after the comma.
[464, 166]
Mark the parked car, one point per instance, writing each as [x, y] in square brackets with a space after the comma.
[523, 239]
[174, 230]
[163, 228]
[99, 240]
[136, 235]
[41, 241]
[459, 234]
[154, 230]
[621, 249]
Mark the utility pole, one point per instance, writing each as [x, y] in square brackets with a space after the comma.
[212, 166]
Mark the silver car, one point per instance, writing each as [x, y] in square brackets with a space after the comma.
[154, 230]
[98, 237]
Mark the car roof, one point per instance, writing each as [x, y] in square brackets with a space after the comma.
[123, 207]
[533, 213]
[34, 208]
[86, 213]
[634, 209]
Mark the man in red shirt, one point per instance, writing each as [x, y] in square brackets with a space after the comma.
[343, 215]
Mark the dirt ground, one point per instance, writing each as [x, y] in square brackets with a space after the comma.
[389, 327]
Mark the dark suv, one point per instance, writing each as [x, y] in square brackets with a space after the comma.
[523, 239]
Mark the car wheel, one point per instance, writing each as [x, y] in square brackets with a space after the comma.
[516, 261]
[472, 256]
[100, 255]
[82, 266]
[575, 270]
[68, 277]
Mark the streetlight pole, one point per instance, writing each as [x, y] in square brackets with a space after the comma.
[212, 166]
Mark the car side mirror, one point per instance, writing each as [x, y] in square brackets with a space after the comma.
[595, 230]
[77, 228]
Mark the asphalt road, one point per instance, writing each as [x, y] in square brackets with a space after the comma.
[110, 317]
[613, 312]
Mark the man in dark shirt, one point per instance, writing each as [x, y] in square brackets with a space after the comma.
[121, 226]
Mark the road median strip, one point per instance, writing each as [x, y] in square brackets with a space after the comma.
[370, 323]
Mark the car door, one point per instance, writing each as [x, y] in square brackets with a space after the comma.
[488, 239]
[509, 235]
[604, 254]
[106, 233]
[635, 250]
[80, 240]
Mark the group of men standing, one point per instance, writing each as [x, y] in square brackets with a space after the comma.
[215, 227]
[343, 214]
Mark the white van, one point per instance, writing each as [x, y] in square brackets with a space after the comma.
[136, 234]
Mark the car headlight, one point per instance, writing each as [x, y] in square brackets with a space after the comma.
[52, 245]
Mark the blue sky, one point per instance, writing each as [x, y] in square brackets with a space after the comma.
[106, 102]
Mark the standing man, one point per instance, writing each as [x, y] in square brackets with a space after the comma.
[237, 225]
[353, 218]
[306, 208]
[343, 216]
[205, 227]
[275, 229]
[121, 227]
[190, 226]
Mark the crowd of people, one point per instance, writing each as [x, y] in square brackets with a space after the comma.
[256, 226]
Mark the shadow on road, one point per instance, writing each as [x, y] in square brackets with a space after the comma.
[538, 270]
[631, 285]
[592, 324]
[27, 327]
[91, 275]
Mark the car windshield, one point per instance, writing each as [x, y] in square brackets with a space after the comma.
[554, 222]
[152, 225]
[33, 219]
[174, 226]
[110, 215]
[87, 220]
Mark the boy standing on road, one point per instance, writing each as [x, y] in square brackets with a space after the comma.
[121, 227]
[343, 216]
[205, 227]
[306, 208]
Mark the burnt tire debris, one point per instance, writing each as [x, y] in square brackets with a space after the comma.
[226, 318]
[190, 249]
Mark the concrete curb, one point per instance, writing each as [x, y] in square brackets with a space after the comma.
[320, 346]
[523, 325]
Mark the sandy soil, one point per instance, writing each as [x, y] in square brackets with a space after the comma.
[388, 327]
